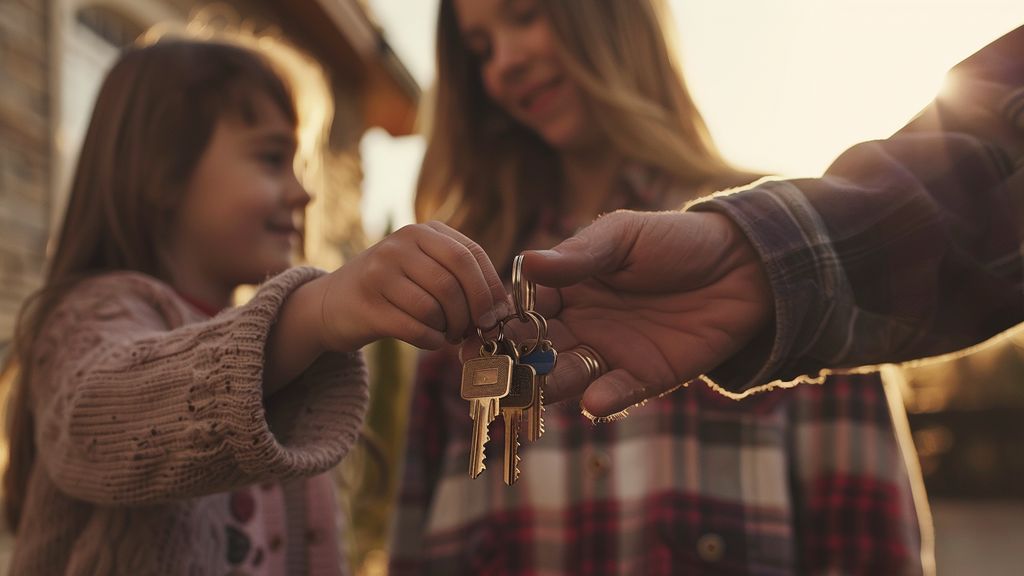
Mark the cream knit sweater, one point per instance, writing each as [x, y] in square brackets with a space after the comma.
[157, 452]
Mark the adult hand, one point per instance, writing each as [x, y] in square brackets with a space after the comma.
[661, 297]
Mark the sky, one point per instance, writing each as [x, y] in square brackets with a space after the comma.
[784, 85]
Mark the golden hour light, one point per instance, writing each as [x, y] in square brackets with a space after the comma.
[784, 85]
[788, 84]
[511, 287]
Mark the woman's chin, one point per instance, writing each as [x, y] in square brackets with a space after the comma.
[566, 137]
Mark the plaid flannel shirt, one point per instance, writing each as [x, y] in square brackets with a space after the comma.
[809, 480]
[804, 480]
[908, 247]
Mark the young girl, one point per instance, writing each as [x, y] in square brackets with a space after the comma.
[549, 112]
[152, 433]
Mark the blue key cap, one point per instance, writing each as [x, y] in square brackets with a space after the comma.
[542, 359]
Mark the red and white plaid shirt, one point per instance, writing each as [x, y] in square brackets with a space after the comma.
[807, 480]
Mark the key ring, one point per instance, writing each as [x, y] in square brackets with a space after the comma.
[488, 346]
[542, 329]
[524, 292]
[485, 341]
[541, 323]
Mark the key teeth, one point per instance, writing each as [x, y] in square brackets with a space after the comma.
[479, 458]
[515, 475]
[477, 472]
[540, 416]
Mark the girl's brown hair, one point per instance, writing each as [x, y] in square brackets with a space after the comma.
[485, 174]
[152, 121]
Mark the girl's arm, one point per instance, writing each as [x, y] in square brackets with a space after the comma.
[130, 407]
[424, 284]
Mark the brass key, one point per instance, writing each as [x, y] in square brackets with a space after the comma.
[513, 407]
[485, 380]
[541, 357]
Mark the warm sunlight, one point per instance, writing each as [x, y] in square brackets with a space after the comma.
[785, 85]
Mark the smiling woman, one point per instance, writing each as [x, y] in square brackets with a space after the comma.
[597, 74]
[784, 85]
[548, 113]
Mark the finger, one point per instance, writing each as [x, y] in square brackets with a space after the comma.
[398, 324]
[617, 391]
[549, 301]
[569, 379]
[444, 287]
[411, 298]
[463, 265]
[599, 248]
[499, 296]
[470, 348]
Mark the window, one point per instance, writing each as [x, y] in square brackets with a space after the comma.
[89, 37]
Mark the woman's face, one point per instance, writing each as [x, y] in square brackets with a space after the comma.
[521, 70]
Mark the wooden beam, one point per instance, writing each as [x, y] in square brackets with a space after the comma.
[354, 50]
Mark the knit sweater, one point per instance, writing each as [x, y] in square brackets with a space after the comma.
[157, 450]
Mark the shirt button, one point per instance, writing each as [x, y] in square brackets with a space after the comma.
[312, 537]
[599, 464]
[711, 547]
[275, 543]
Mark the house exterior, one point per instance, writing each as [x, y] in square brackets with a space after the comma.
[55, 53]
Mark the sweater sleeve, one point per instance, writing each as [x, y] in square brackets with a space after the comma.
[131, 410]
[908, 247]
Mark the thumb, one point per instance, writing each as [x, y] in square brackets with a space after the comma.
[599, 248]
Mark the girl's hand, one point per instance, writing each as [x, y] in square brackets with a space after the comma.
[423, 284]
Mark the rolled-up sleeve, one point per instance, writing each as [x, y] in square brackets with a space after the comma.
[907, 247]
[131, 410]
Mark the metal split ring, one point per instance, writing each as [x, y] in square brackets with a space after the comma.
[524, 292]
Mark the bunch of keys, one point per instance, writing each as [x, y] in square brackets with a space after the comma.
[508, 379]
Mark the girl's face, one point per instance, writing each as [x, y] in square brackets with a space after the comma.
[522, 73]
[238, 221]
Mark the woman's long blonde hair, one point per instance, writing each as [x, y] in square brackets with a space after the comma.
[487, 175]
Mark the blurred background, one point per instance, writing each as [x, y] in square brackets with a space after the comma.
[785, 85]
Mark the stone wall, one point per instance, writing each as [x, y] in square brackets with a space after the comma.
[24, 153]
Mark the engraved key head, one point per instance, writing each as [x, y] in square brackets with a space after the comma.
[542, 358]
[486, 377]
[520, 394]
